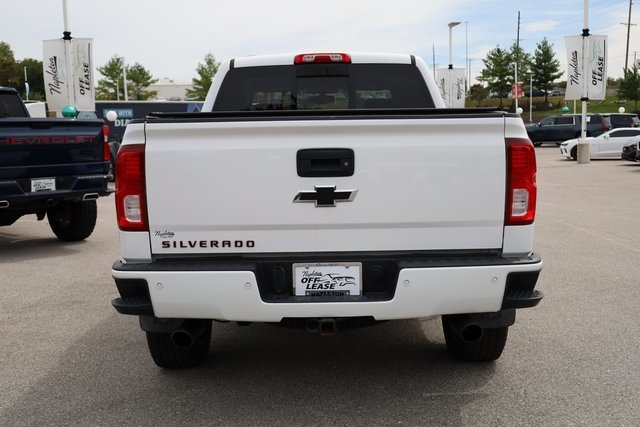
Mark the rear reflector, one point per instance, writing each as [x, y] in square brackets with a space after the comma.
[320, 58]
[520, 206]
[131, 198]
[106, 151]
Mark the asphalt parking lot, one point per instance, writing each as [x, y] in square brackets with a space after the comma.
[69, 359]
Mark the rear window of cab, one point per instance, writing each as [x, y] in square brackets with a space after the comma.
[323, 86]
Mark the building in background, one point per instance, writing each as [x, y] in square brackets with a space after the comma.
[171, 90]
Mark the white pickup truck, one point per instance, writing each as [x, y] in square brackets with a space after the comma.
[325, 191]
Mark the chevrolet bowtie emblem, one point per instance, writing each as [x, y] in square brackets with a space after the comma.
[325, 195]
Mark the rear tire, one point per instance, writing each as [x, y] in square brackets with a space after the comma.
[73, 221]
[166, 354]
[488, 348]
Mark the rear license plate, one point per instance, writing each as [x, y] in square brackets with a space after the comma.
[327, 279]
[43, 184]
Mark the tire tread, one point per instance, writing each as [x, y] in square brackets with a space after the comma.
[73, 221]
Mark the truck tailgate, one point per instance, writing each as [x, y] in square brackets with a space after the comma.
[418, 184]
[33, 147]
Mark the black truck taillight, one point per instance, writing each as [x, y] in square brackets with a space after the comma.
[106, 151]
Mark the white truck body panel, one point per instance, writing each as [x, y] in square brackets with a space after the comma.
[245, 184]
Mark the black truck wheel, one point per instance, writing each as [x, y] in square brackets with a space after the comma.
[183, 348]
[482, 345]
[72, 221]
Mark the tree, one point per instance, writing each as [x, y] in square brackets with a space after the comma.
[9, 68]
[477, 92]
[12, 73]
[206, 71]
[111, 86]
[497, 73]
[519, 56]
[629, 86]
[545, 67]
[139, 79]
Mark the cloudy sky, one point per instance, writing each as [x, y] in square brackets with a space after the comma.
[170, 37]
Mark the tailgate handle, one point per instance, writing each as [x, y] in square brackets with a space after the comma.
[319, 162]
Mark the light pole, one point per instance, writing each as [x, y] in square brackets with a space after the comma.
[450, 88]
[628, 24]
[514, 92]
[531, 98]
[26, 84]
[451, 25]
[124, 76]
[467, 72]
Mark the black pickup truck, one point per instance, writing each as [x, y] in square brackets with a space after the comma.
[51, 167]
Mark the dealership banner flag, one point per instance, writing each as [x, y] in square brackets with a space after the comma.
[452, 86]
[68, 82]
[82, 62]
[56, 78]
[595, 76]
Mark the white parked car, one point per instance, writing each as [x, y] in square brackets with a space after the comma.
[609, 144]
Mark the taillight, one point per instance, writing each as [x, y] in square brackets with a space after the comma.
[520, 208]
[106, 151]
[131, 197]
[316, 58]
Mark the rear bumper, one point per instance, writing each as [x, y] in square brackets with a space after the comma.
[17, 194]
[242, 292]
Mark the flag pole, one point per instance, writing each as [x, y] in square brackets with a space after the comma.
[66, 36]
[584, 155]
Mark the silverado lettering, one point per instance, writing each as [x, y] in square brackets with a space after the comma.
[166, 244]
[431, 233]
